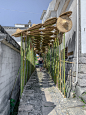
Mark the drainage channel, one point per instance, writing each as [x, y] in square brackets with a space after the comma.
[14, 106]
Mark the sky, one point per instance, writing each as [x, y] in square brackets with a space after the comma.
[21, 11]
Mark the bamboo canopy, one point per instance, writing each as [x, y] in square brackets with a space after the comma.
[43, 34]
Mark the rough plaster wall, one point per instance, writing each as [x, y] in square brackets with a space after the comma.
[9, 66]
[53, 14]
[60, 7]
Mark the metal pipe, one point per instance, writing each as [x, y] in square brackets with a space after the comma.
[77, 39]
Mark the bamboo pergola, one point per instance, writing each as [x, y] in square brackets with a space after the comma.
[47, 39]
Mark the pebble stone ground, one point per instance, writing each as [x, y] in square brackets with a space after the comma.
[42, 97]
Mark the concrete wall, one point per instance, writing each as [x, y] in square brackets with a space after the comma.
[9, 66]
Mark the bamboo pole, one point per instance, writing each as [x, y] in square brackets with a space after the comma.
[55, 64]
[58, 63]
[27, 58]
[64, 64]
[60, 67]
[21, 84]
[53, 60]
[24, 61]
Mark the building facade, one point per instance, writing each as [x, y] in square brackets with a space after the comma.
[74, 42]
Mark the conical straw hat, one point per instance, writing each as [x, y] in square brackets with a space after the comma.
[50, 21]
[66, 13]
[17, 31]
[64, 24]
[35, 26]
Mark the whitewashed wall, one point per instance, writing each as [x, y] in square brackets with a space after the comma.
[9, 66]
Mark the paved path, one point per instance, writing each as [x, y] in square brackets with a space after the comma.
[42, 97]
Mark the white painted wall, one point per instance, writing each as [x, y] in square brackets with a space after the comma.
[50, 8]
[9, 66]
[83, 26]
[17, 25]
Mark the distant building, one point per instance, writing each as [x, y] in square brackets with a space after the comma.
[24, 25]
[10, 30]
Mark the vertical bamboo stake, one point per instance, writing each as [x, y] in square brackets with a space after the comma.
[60, 66]
[21, 85]
[53, 60]
[58, 63]
[55, 64]
[64, 64]
[24, 61]
[30, 55]
[50, 60]
[27, 58]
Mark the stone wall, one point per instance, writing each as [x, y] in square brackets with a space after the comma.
[9, 66]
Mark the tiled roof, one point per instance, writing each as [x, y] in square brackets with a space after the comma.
[8, 38]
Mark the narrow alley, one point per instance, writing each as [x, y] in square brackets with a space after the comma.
[43, 57]
[42, 97]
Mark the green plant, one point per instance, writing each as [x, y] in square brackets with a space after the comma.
[74, 95]
[83, 101]
[83, 106]
[12, 105]
[84, 93]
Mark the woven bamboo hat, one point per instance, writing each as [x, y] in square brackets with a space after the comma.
[50, 21]
[66, 13]
[35, 27]
[17, 32]
[64, 23]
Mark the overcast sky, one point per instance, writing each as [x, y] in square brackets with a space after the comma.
[21, 11]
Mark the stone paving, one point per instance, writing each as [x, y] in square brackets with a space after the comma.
[42, 97]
